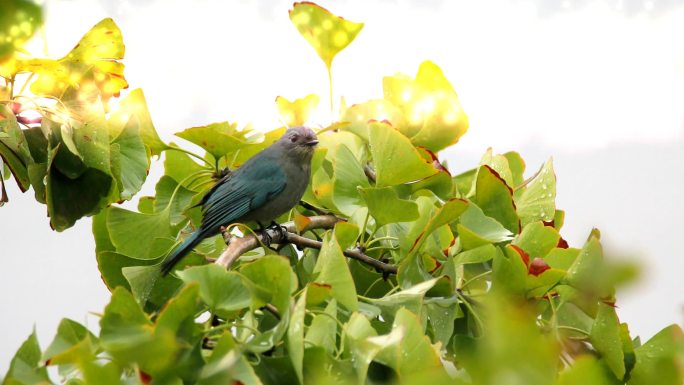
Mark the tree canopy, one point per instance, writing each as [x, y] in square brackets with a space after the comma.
[391, 271]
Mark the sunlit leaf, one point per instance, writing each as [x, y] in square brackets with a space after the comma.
[536, 239]
[72, 344]
[605, 336]
[396, 161]
[272, 275]
[328, 34]
[19, 20]
[434, 114]
[93, 62]
[298, 112]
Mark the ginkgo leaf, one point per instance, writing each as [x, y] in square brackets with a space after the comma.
[298, 112]
[328, 34]
[435, 118]
[218, 139]
[94, 60]
[396, 161]
[538, 201]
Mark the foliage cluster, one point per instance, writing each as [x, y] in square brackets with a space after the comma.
[487, 290]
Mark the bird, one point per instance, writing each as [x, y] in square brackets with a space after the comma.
[266, 186]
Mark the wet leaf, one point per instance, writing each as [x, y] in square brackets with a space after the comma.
[495, 199]
[538, 200]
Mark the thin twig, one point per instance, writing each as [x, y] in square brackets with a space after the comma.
[370, 173]
[238, 246]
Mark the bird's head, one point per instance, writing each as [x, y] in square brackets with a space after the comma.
[299, 142]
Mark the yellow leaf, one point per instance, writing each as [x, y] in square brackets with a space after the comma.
[433, 112]
[92, 62]
[327, 33]
[297, 113]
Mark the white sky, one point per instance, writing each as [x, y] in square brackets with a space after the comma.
[597, 84]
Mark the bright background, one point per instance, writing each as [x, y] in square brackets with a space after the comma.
[597, 84]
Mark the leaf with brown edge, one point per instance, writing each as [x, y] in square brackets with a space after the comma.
[298, 112]
[537, 267]
[93, 61]
[328, 34]
[495, 198]
[523, 255]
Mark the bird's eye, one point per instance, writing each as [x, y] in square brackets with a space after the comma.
[294, 138]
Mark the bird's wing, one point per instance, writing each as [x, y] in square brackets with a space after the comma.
[246, 190]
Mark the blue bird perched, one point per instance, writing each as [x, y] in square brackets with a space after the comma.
[265, 187]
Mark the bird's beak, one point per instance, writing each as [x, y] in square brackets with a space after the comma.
[312, 143]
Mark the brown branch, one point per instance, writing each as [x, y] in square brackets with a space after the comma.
[370, 173]
[238, 246]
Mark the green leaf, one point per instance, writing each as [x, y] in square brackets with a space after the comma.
[659, 359]
[386, 207]
[223, 291]
[218, 139]
[359, 115]
[411, 299]
[395, 159]
[587, 269]
[498, 163]
[495, 198]
[14, 148]
[72, 344]
[536, 239]
[25, 367]
[271, 274]
[348, 176]
[295, 336]
[587, 370]
[323, 329]
[476, 229]
[477, 255]
[227, 365]
[346, 234]
[517, 166]
[328, 34]
[71, 199]
[181, 168]
[537, 201]
[605, 337]
[133, 109]
[165, 189]
[127, 335]
[150, 288]
[432, 109]
[509, 273]
[133, 233]
[130, 163]
[332, 269]
[412, 356]
[111, 264]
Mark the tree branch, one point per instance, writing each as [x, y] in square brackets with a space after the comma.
[238, 246]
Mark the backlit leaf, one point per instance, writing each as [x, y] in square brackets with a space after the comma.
[328, 34]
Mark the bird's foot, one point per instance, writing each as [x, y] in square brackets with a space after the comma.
[280, 229]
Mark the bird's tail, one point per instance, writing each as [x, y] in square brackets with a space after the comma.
[188, 244]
